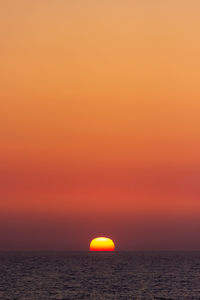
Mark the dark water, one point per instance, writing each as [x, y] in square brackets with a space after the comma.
[87, 275]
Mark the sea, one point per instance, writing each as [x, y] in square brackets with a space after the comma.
[99, 275]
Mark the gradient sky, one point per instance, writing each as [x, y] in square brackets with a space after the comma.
[99, 124]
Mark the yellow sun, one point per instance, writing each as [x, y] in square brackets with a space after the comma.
[102, 244]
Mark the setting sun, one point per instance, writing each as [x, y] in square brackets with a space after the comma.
[102, 244]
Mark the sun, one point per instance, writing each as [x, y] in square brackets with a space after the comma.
[102, 244]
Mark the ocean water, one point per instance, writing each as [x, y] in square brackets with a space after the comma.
[99, 275]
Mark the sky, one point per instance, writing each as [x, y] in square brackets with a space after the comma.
[99, 124]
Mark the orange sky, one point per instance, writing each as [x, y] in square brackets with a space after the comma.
[99, 121]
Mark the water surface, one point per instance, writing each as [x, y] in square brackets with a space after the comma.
[96, 275]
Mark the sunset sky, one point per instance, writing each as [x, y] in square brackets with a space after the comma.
[99, 124]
